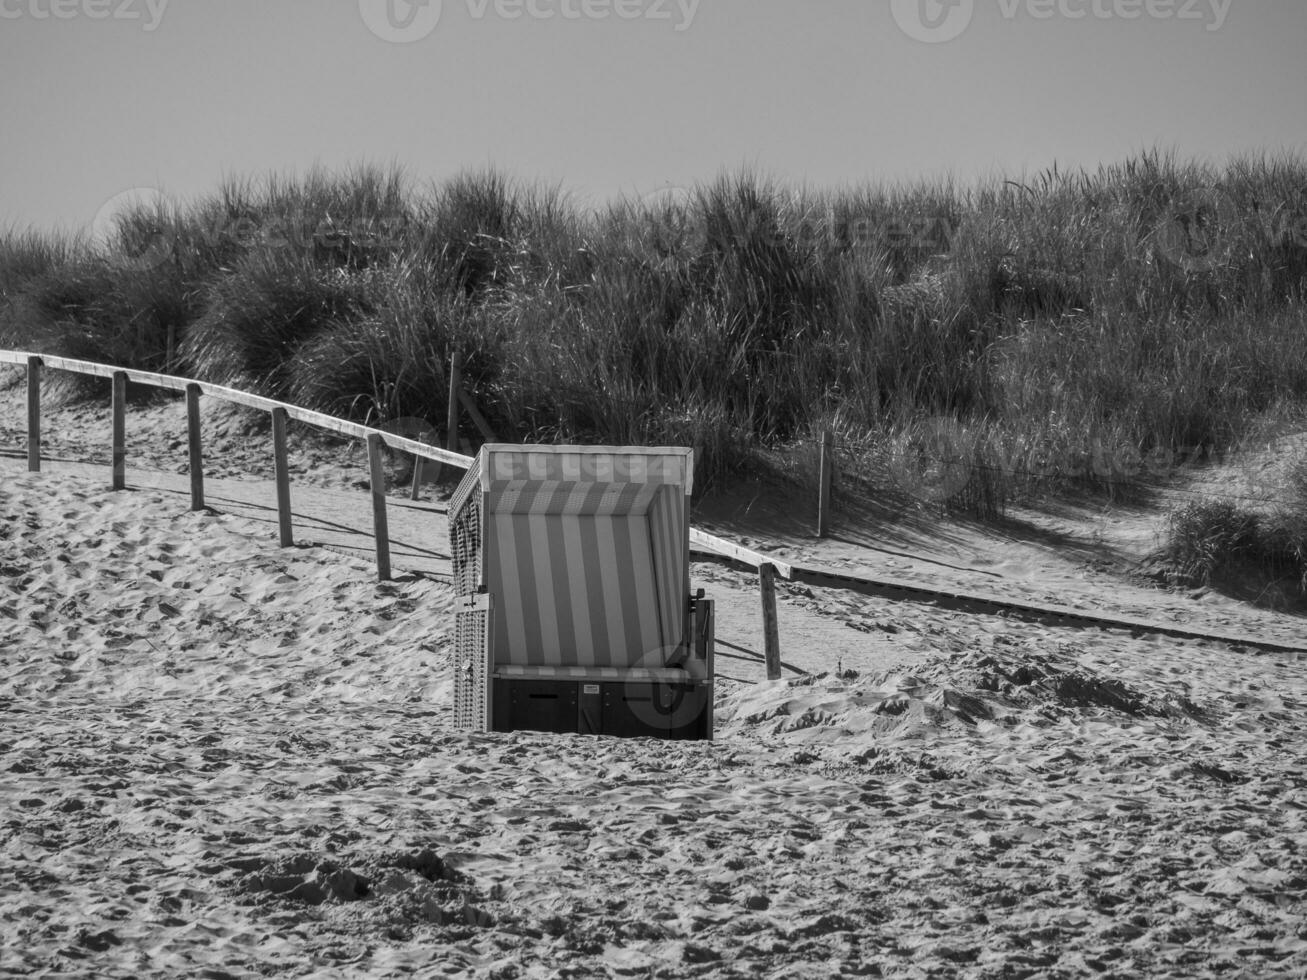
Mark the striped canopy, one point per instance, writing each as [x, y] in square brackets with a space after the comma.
[597, 464]
[586, 551]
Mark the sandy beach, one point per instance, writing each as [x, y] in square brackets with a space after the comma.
[223, 759]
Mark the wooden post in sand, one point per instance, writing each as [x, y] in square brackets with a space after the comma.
[474, 413]
[418, 463]
[770, 628]
[194, 447]
[455, 380]
[823, 500]
[451, 416]
[281, 464]
[34, 414]
[118, 413]
[380, 527]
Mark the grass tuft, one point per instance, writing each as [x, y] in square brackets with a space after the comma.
[1219, 541]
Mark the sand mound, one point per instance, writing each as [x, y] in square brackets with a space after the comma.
[389, 892]
[963, 689]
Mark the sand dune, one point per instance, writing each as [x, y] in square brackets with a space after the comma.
[221, 759]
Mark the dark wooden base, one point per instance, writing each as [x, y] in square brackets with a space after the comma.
[630, 710]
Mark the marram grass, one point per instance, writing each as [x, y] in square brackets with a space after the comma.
[1031, 332]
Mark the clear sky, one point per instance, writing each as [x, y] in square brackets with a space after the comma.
[609, 96]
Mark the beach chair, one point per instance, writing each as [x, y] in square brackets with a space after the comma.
[573, 609]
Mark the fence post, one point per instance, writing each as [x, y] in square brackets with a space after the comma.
[118, 412]
[380, 526]
[474, 413]
[418, 463]
[823, 501]
[194, 447]
[770, 629]
[282, 466]
[414, 491]
[455, 380]
[451, 415]
[34, 414]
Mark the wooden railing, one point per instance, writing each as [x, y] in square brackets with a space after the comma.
[281, 413]
[375, 439]
[769, 568]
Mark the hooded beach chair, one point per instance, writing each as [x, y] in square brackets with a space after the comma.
[574, 611]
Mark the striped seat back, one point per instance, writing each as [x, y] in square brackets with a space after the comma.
[587, 554]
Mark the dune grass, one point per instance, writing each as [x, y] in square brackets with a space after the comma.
[969, 343]
[1223, 541]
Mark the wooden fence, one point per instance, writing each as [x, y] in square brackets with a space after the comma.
[376, 441]
[281, 414]
[768, 567]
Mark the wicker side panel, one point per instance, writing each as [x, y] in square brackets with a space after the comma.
[465, 545]
[472, 667]
[467, 487]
